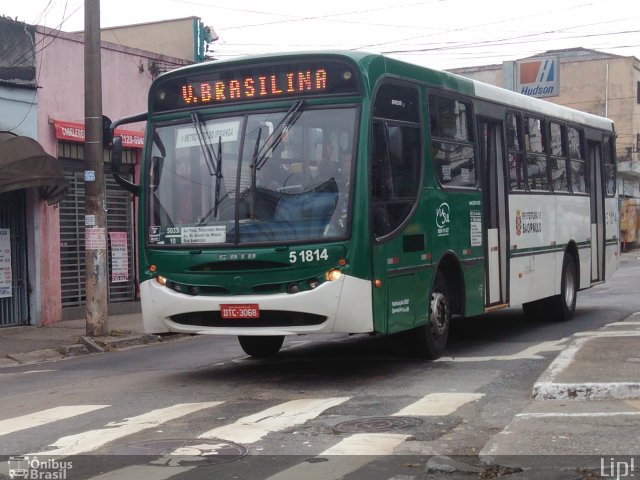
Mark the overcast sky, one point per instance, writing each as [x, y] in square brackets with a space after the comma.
[437, 33]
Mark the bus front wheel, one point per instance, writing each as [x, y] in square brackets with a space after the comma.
[261, 347]
[432, 337]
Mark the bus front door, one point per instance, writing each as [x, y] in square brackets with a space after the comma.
[597, 212]
[493, 159]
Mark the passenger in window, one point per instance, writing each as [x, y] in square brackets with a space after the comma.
[328, 167]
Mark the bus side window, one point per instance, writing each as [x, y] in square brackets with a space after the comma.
[577, 161]
[452, 148]
[536, 156]
[517, 171]
[558, 159]
[395, 175]
[609, 167]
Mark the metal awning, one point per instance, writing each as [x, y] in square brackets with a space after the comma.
[25, 164]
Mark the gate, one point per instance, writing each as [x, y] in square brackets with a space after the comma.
[72, 253]
[14, 309]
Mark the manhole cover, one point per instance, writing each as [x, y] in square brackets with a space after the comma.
[376, 424]
[177, 451]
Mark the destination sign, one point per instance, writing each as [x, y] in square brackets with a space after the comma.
[223, 86]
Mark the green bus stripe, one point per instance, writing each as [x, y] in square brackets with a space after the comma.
[399, 272]
[521, 252]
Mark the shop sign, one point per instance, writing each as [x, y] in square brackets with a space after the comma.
[5, 263]
[75, 132]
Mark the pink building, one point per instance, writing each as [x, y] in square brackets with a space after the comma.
[44, 245]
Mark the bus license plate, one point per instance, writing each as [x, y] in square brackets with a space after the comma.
[245, 310]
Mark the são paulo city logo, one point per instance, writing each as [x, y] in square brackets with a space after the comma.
[528, 222]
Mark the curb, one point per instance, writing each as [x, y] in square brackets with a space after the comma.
[586, 391]
[87, 345]
[546, 388]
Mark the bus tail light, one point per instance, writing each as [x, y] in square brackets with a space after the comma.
[333, 275]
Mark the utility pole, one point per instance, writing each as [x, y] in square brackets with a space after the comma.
[95, 197]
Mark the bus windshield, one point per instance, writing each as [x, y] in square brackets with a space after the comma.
[256, 178]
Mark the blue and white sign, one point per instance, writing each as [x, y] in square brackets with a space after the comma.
[539, 77]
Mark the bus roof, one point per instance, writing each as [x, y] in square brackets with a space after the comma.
[425, 74]
[507, 97]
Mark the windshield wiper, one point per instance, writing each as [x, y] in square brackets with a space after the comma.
[214, 162]
[254, 171]
[217, 200]
[207, 151]
[273, 140]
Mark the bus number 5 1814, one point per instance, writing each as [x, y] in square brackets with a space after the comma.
[306, 256]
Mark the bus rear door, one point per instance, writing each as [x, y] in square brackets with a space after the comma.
[495, 202]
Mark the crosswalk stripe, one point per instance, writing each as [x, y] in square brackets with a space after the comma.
[43, 417]
[94, 439]
[143, 472]
[438, 404]
[345, 457]
[252, 428]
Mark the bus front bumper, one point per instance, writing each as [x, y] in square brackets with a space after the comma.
[345, 303]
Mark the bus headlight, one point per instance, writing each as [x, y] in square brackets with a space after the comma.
[161, 280]
[333, 275]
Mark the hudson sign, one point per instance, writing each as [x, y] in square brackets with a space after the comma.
[539, 77]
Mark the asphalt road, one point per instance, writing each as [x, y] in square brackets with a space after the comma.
[325, 407]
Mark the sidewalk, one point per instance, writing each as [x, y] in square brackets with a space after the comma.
[585, 409]
[586, 405]
[26, 345]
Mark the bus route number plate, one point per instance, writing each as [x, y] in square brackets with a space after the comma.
[244, 310]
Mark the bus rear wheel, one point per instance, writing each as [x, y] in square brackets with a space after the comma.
[559, 307]
[432, 337]
[564, 305]
[261, 347]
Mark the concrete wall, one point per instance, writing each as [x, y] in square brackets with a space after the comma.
[18, 110]
[169, 37]
[125, 81]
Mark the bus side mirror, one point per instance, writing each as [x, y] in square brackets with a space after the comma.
[116, 165]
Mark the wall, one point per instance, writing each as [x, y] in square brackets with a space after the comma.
[18, 110]
[169, 37]
[125, 81]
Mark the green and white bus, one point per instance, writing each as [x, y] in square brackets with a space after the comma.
[349, 192]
